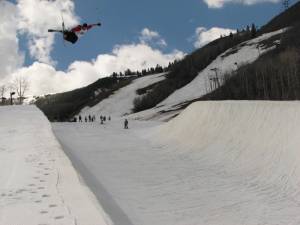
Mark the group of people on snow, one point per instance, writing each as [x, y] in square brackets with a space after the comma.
[103, 119]
[88, 118]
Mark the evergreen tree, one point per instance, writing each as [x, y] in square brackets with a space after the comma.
[253, 30]
[248, 29]
[128, 72]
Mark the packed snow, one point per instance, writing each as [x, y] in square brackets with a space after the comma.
[38, 183]
[216, 163]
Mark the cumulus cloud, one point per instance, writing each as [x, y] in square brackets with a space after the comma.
[10, 56]
[148, 36]
[221, 3]
[134, 57]
[44, 78]
[204, 35]
[36, 16]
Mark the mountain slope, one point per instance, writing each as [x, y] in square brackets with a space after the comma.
[213, 75]
[244, 53]
[275, 76]
[63, 106]
[121, 102]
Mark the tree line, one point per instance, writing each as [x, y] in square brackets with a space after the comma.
[144, 72]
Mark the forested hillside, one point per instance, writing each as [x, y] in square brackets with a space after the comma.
[62, 106]
[253, 81]
[274, 76]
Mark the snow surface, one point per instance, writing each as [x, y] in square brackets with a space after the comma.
[121, 102]
[38, 184]
[226, 163]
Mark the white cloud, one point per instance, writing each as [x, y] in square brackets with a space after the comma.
[204, 36]
[152, 37]
[134, 57]
[148, 34]
[10, 56]
[44, 78]
[36, 17]
[221, 3]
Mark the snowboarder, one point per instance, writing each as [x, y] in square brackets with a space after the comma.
[73, 34]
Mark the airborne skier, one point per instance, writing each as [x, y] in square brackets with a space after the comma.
[73, 34]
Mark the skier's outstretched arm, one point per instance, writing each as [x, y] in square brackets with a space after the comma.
[96, 24]
[93, 25]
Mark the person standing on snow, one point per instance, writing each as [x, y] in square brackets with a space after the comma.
[125, 124]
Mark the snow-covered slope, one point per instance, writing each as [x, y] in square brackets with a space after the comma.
[227, 163]
[121, 102]
[244, 53]
[38, 184]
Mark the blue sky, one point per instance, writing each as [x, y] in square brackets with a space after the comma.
[134, 34]
[174, 20]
